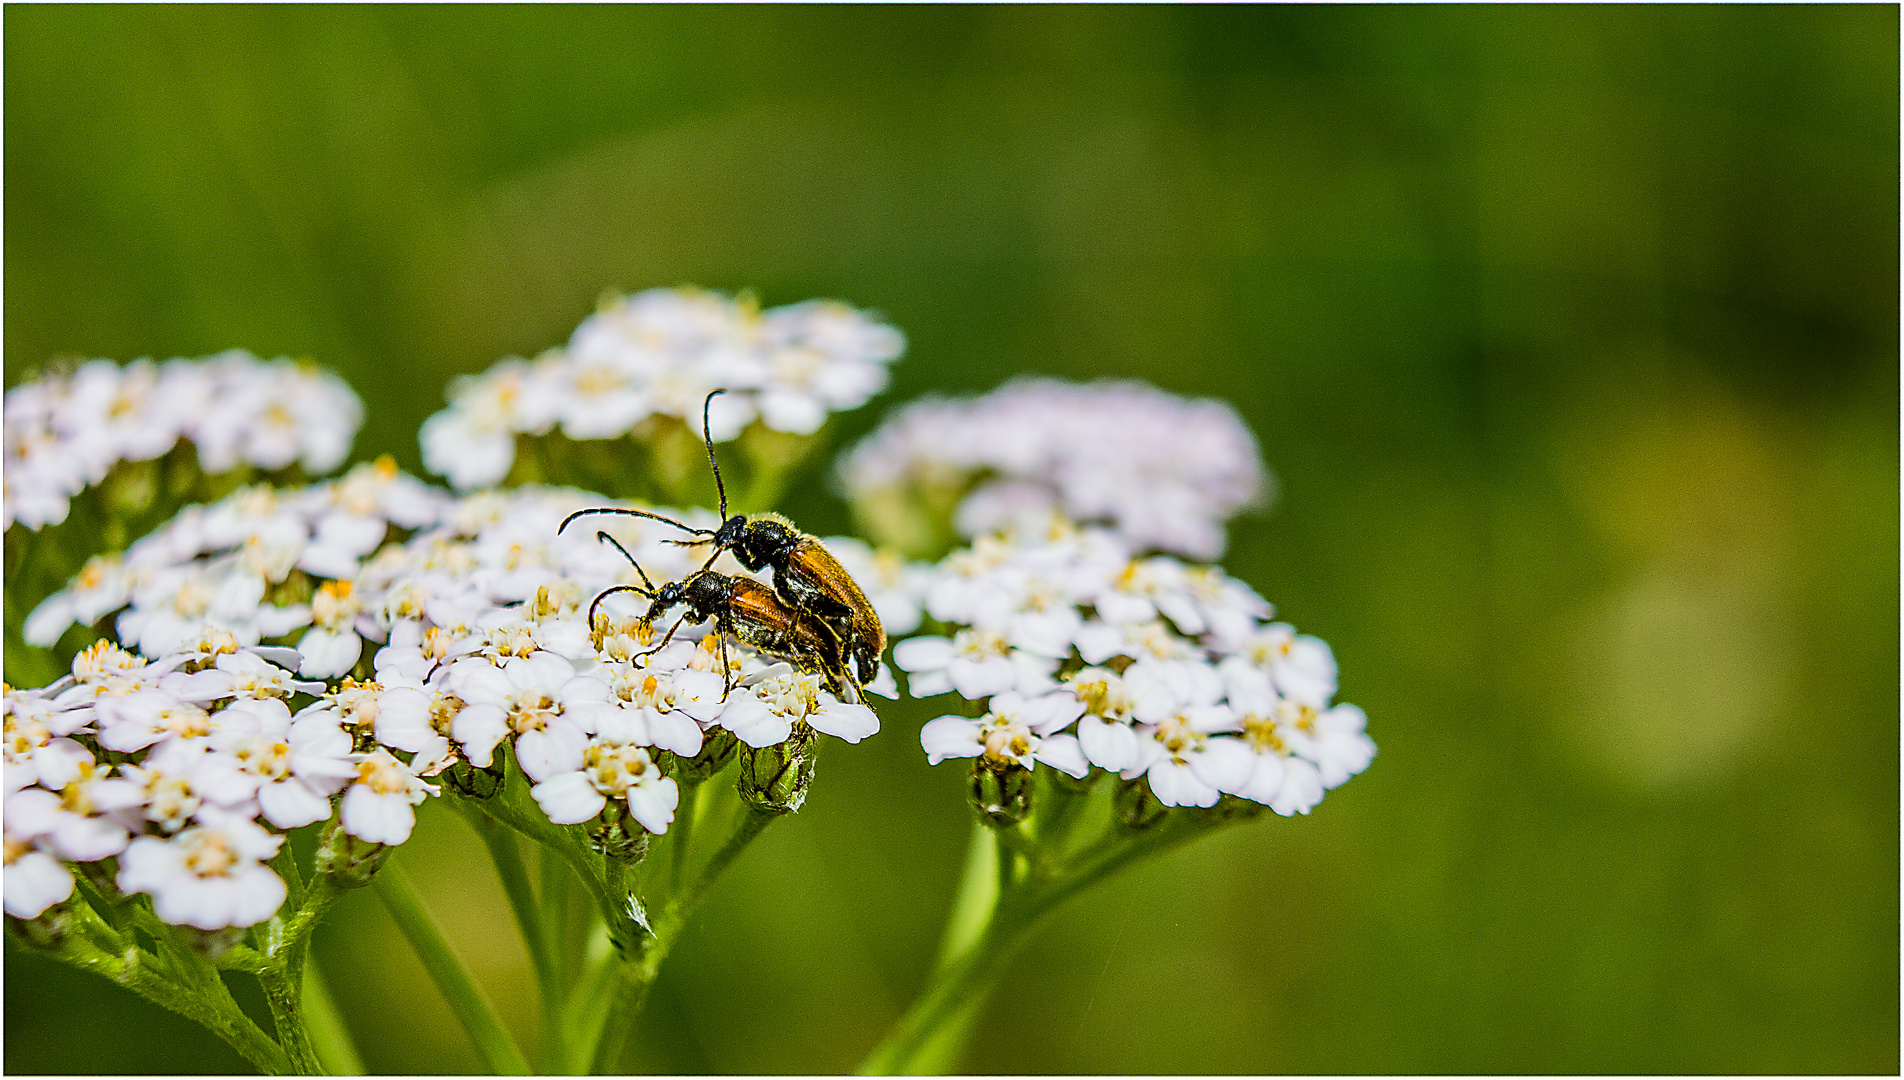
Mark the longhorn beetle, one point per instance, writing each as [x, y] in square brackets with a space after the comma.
[806, 576]
[747, 610]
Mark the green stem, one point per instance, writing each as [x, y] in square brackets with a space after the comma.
[330, 1036]
[283, 992]
[554, 934]
[180, 981]
[499, 1052]
[928, 1036]
[977, 896]
[639, 970]
[681, 832]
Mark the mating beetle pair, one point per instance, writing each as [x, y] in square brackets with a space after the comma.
[815, 616]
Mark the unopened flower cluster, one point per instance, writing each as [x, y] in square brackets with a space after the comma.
[1146, 667]
[65, 433]
[659, 353]
[212, 767]
[1164, 471]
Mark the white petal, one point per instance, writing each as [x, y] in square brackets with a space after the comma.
[568, 798]
[1108, 745]
[950, 737]
[292, 803]
[1176, 785]
[925, 653]
[653, 804]
[849, 722]
[382, 819]
[1224, 764]
[1063, 753]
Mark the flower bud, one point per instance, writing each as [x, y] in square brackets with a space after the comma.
[1001, 793]
[473, 783]
[617, 835]
[1135, 807]
[717, 749]
[775, 778]
[350, 860]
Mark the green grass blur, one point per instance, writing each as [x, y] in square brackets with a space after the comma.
[1570, 333]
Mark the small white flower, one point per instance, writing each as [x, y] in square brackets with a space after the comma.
[286, 771]
[975, 662]
[78, 822]
[208, 876]
[1185, 764]
[538, 698]
[1017, 731]
[778, 696]
[610, 770]
[34, 880]
[381, 805]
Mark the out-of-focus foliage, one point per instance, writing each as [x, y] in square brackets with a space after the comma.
[1570, 333]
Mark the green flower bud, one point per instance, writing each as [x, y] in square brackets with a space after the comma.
[617, 835]
[1001, 793]
[1135, 807]
[351, 861]
[775, 778]
[717, 749]
[473, 783]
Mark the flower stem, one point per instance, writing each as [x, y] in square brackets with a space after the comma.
[977, 896]
[532, 920]
[553, 934]
[330, 1036]
[499, 1051]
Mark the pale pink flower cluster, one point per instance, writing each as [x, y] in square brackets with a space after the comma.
[659, 353]
[227, 566]
[1171, 672]
[1165, 471]
[65, 433]
[188, 768]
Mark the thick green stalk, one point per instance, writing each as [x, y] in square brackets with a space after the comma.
[330, 1036]
[499, 1051]
[928, 1037]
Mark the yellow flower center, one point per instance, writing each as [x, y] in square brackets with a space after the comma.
[207, 853]
[615, 769]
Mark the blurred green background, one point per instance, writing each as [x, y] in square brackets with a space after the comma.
[1570, 333]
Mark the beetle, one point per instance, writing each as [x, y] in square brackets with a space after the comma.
[806, 576]
[745, 609]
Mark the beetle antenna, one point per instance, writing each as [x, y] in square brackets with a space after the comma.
[708, 434]
[600, 535]
[605, 594]
[631, 513]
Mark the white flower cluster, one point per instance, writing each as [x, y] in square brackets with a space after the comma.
[1165, 471]
[1169, 671]
[64, 434]
[659, 353]
[211, 768]
[480, 625]
[229, 566]
[485, 620]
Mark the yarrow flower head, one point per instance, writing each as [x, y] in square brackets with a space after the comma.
[658, 354]
[181, 767]
[259, 564]
[1164, 471]
[1171, 673]
[65, 433]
